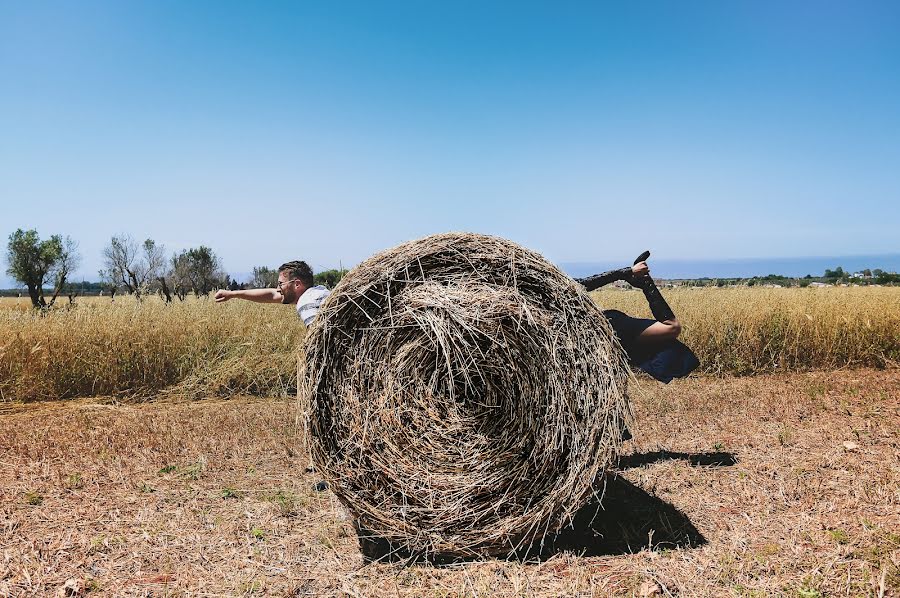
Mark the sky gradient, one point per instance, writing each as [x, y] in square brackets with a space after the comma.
[329, 131]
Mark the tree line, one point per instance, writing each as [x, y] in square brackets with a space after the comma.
[863, 277]
[44, 267]
[136, 268]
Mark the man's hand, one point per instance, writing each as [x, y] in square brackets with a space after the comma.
[222, 295]
[640, 273]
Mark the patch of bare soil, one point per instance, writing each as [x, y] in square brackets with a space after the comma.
[770, 485]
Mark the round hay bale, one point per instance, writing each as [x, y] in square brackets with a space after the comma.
[463, 395]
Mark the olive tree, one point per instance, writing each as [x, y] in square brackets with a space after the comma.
[264, 278]
[35, 263]
[197, 270]
[131, 265]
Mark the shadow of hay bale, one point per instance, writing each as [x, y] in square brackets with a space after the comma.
[629, 520]
[718, 459]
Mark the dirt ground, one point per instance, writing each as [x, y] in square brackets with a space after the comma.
[766, 485]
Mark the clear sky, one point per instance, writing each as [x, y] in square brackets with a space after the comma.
[327, 131]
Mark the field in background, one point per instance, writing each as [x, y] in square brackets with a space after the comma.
[131, 349]
[757, 330]
[771, 485]
[200, 348]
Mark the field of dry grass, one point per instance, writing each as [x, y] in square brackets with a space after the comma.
[785, 484]
[758, 330]
[135, 350]
[201, 349]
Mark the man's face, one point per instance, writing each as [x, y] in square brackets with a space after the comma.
[288, 287]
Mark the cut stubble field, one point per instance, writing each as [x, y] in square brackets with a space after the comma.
[776, 484]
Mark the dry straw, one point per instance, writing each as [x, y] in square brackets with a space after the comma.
[464, 395]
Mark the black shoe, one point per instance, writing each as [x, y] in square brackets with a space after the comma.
[320, 486]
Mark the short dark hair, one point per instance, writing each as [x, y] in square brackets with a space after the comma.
[299, 270]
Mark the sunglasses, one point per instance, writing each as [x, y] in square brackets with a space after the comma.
[280, 283]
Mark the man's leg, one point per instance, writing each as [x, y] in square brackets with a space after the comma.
[667, 326]
[653, 346]
[667, 358]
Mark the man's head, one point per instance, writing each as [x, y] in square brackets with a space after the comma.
[294, 278]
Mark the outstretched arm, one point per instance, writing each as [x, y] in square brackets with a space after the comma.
[598, 280]
[255, 295]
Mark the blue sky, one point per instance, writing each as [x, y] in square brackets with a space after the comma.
[328, 131]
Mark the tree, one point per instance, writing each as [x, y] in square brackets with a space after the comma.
[179, 275]
[68, 262]
[838, 273]
[164, 289]
[198, 270]
[886, 277]
[154, 257]
[133, 266]
[33, 263]
[329, 277]
[263, 278]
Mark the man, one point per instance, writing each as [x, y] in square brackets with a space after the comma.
[651, 345]
[295, 286]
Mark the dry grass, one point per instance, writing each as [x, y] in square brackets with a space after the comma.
[202, 349]
[464, 394]
[126, 348]
[212, 498]
[757, 330]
